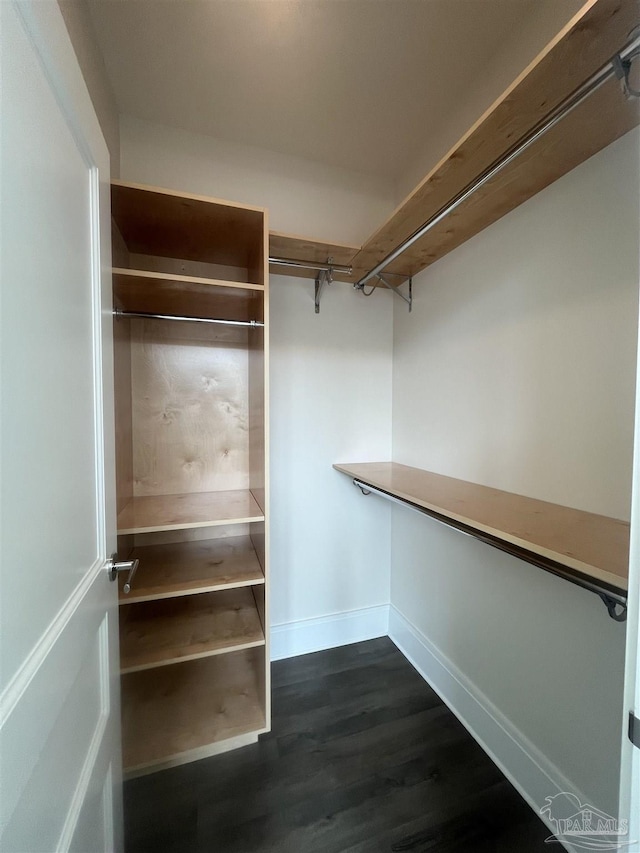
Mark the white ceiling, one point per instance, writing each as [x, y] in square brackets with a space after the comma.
[351, 83]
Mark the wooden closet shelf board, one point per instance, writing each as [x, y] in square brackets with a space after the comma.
[190, 296]
[157, 221]
[313, 251]
[569, 143]
[189, 568]
[178, 512]
[581, 48]
[176, 630]
[593, 545]
[174, 714]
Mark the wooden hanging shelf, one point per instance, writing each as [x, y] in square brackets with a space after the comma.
[588, 41]
[588, 549]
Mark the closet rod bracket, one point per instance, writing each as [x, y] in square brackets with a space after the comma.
[612, 607]
[358, 285]
[622, 68]
[325, 276]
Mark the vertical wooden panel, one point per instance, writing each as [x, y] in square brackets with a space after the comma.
[190, 411]
[123, 412]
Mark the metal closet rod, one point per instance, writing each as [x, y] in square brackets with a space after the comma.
[615, 601]
[309, 265]
[609, 70]
[254, 324]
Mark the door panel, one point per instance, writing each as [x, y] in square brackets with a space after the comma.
[59, 700]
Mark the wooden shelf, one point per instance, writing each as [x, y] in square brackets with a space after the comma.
[159, 633]
[179, 512]
[191, 296]
[190, 568]
[294, 247]
[581, 48]
[162, 223]
[591, 546]
[183, 712]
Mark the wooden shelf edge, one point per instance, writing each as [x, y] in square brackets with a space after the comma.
[129, 598]
[179, 194]
[163, 506]
[172, 661]
[126, 531]
[186, 279]
[216, 748]
[616, 583]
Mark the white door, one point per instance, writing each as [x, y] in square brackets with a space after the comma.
[630, 769]
[59, 700]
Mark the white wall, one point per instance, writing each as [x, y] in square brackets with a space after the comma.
[330, 402]
[83, 38]
[330, 384]
[516, 369]
[303, 197]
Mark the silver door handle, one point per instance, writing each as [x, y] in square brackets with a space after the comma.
[114, 567]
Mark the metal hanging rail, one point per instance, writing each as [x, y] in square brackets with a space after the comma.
[254, 324]
[310, 265]
[613, 598]
[619, 66]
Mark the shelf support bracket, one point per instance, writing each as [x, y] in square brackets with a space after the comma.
[323, 277]
[408, 299]
[392, 287]
[622, 69]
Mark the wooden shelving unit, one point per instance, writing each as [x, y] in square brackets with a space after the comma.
[588, 41]
[582, 546]
[191, 471]
[190, 568]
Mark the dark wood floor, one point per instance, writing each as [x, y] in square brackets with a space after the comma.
[363, 758]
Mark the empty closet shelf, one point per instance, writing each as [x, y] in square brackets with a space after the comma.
[152, 292]
[176, 630]
[589, 549]
[180, 713]
[189, 568]
[178, 512]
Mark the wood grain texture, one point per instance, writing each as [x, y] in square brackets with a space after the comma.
[190, 408]
[192, 269]
[188, 568]
[586, 43]
[161, 633]
[157, 221]
[307, 249]
[172, 712]
[123, 411]
[189, 296]
[199, 509]
[592, 544]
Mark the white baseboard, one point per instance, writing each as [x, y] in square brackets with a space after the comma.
[528, 770]
[327, 632]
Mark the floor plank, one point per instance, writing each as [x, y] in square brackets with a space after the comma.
[363, 758]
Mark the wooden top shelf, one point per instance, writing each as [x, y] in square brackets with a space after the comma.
[588, 41]
[592, 546]
[160, 222]
[153, 513]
